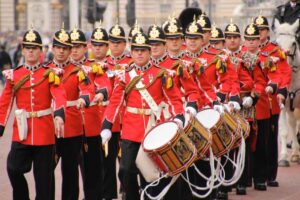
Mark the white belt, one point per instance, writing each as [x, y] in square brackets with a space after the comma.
[71, 103]
[140, 111]
[39, 113]
[104, 103]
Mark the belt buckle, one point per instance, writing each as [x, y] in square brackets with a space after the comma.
[141, 111]
[33, 114]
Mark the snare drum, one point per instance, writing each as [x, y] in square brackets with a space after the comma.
[243, 128]
[169, 147]
[222, 129]
[198, 134]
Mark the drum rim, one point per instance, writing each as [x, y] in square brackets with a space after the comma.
[205, 109]
[163, 146]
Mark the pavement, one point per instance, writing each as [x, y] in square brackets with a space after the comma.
[289, 179]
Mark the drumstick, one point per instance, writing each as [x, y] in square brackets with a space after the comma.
[105, 148]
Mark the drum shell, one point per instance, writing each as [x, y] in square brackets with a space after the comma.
[176, 155]
[223, 134]
[199, 136]
[244, 128]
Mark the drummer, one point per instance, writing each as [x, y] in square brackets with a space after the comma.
[140, 108]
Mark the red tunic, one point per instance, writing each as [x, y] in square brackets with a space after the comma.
[75, 88]
[134, 125]
[272, 52]
[225, 80]
[36, 98]
[205, 88]
[101, 84]
[245, 78]
[183, 80]
[117, 63]
[260, 79]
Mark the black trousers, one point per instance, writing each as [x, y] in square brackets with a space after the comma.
[247, 172]
[68, 150]
[260, 155]
[128, 171]
[19, 161]
[228, 168]
[91, 161]
[109, 168]
[273, 149]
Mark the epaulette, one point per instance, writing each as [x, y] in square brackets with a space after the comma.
[82, 75]
[166, 79]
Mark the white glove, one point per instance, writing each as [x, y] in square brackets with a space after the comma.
[59, 126]
[105, 135]
[235, 105]
[98, 98]
[179, 122]
[191, 110]
[80, 103]
[269, 90]
[219, 108]
[247, 102]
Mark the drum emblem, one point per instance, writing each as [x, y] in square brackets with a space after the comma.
[182, 151]
[196, 138]
[224, 136]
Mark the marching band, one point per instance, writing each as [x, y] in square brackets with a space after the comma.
[189, 113]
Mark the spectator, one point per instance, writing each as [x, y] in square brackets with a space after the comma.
[17, 55]
[5, 62]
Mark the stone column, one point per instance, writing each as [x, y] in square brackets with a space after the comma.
[21, 15]
[74, 13]
[56, 18]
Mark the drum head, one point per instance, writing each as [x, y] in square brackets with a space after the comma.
[160, 135]
[208, 118]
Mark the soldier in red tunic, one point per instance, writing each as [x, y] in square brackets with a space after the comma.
[34, 87]
[139, 115]
[273, 54]
[79, 92]
[194, 41]
[246, 82]
[91, 152]
[182, 79]
[220, 70]
[117, 60]
[260, 99]
[99, 47]
[194, 38]
[187, 86]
